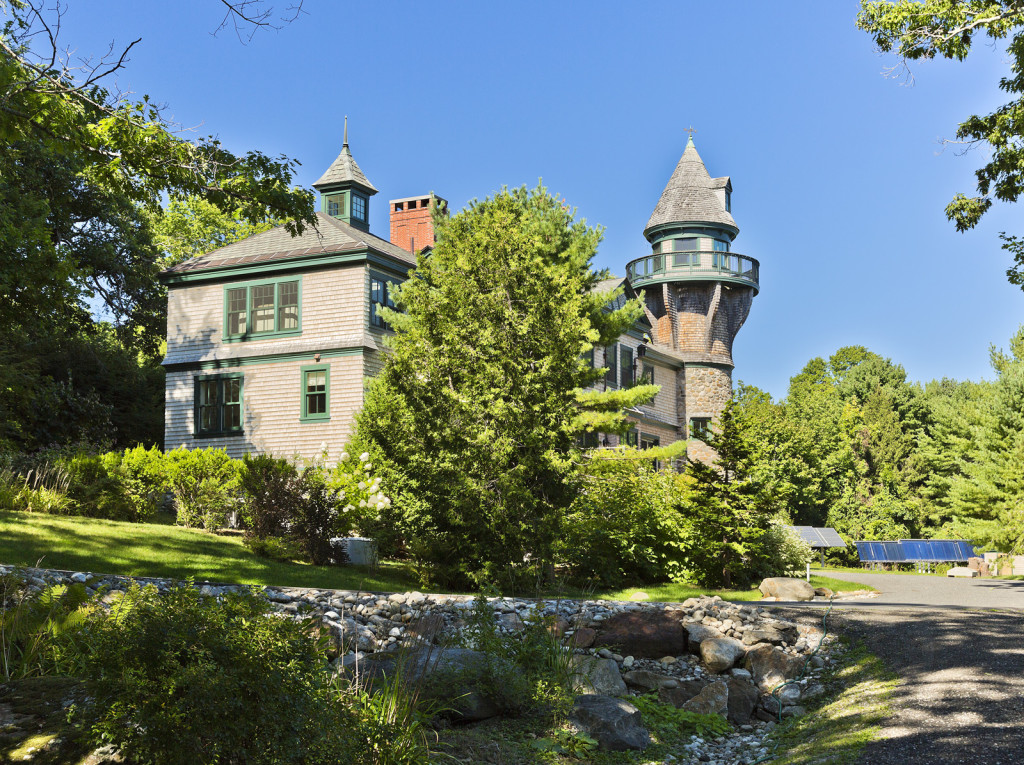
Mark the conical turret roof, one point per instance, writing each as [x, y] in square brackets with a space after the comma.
[345, 170]
[690, 195]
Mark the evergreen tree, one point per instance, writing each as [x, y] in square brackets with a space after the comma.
[484, 394]
[729, 510]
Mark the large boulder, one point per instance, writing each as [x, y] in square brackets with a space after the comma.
[712, 700]
[597, 676]
[697, 634]
[644, 634]
[770, 666]
[720, 654]
[457, 678]
[682, 693]
[743, 697]
[786, 588]
[615, 724]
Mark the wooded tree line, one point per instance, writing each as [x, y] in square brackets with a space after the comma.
[856, 446]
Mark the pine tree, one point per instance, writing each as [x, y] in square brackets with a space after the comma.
[485, 388]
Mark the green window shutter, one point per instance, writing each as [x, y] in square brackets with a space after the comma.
[316, 393]
[626, 359]
[611, 377]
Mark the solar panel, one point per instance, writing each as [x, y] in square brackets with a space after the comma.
[916, 551]
[865, 552]
[819, 537]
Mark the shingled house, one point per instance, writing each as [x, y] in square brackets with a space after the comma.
[270, 340]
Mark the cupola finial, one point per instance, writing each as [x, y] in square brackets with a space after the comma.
[689, 141]
[344, 141]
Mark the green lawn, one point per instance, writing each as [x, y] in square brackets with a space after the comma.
[155, 549]
[152, 549]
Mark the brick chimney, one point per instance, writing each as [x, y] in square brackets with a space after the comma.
[412, 227]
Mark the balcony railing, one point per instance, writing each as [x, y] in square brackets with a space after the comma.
[698, 266]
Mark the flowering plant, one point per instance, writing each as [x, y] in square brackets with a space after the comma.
[358, 489]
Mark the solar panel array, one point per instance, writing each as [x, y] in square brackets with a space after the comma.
[916, 551]
[819, 538]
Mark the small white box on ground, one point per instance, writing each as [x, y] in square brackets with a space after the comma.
[970, 573]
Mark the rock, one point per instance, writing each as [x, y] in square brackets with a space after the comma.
[764, 634]
[788, 695]
[642, 680]
[615, 724]
[698, 633]
[743, 697]
[583, 638]
[742, 674]
[79, 577]
[627, 662]
[963, 571]
[644, 634]
[719, 654]
[786, 588]
[813, 691]
[668, 661]
[793, 711]
[639, 595]
[770, 667]
[712, 700]
[685, 691]
[823, 592]
[511, 622]
[597, 676]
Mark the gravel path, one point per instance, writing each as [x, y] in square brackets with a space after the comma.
[958, 649]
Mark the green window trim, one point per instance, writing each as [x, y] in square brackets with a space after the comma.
[360, 207]
[218, 405]
[700, 427]
[315, 392]
[627, 375]
[611, 376]
[381, 296]
[264, 308]
[633, 438]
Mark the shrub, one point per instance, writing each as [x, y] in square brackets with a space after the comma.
[360, 491]
[274, 548]
[142, 475]
[205, 486]
[94, 492]
[782, 552]
[318, 518]
[179, 678]
[625, 525]
[37, 630]
[270, 495]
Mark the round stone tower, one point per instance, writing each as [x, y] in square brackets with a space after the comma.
[697, 290]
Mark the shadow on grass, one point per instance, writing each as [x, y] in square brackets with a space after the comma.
[142, 549]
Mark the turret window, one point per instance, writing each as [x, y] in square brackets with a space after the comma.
[358, 207]
[728, 201]
[334, 205]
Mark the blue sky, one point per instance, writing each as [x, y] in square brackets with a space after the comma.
[839, 178]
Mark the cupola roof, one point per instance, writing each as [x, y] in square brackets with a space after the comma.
[690, 195]
[344, 171]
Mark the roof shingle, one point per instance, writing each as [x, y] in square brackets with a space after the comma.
[690, 195]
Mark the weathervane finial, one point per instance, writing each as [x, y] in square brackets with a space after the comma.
[691, 131]
[345, 141]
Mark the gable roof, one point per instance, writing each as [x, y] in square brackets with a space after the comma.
[690, 195]
[330, 236]
[345, 170]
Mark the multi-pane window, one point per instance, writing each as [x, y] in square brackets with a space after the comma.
[700, 427]
[650, 442]
[611, 377]
[626, 362]
[316, 393]
[633, 438]
[261, 308]
[728, 201]
[334, 205]
[719, 246]
[218, 405]
[358, 207]
[380, 297]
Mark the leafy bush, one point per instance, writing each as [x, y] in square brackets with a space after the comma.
[179, 678]
[782, 551]
[270, 495]
[672, 725]
[625, 525]
[205, 486]
[359, 490]
[275, 548]
[142, 475]
[317, 518]
[94, 492]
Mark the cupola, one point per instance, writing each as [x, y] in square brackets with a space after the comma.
[344, 191]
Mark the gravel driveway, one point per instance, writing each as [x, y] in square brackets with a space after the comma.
[958, 648]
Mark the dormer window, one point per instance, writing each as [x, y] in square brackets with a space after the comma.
[358, 207]
[334, 204]
[728, 201]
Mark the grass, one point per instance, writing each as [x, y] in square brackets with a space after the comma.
[676, 593]
[849, 718]
[162, 550]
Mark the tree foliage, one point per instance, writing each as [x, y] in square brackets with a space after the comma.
[82, 174]
[948, 29]
[485, 385]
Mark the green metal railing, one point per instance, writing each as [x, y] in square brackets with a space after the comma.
[693, 266]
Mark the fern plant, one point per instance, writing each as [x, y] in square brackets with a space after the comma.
[37, 632]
